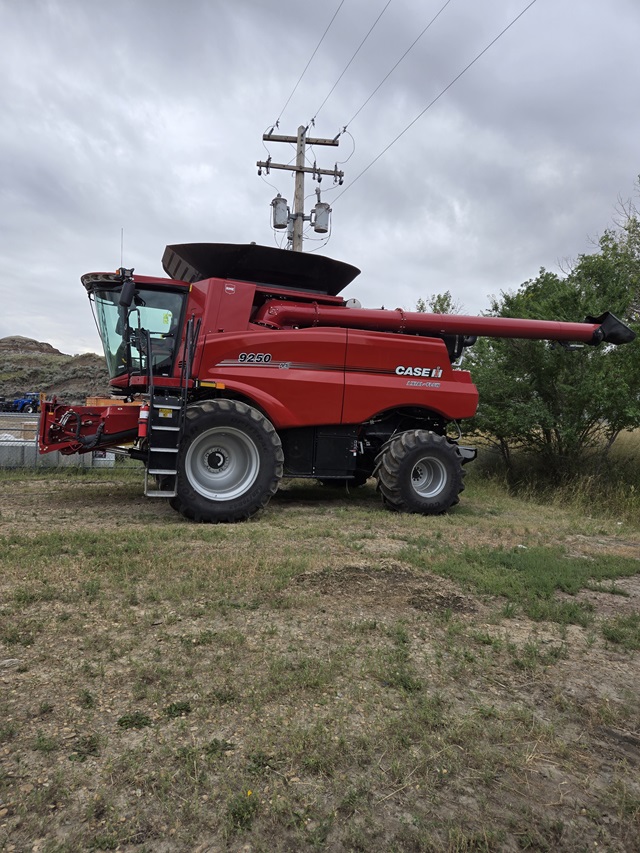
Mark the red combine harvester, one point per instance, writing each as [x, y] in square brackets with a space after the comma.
[248, 366]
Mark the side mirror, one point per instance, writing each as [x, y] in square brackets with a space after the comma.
[128, 288]
[127, 293]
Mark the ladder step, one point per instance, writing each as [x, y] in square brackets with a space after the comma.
[165, 423]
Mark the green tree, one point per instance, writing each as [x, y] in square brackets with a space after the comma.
[564, 403]
[439, 303]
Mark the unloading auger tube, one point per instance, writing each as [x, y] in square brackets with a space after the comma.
[594, 330]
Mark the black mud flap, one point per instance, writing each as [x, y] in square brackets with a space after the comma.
[467, 454]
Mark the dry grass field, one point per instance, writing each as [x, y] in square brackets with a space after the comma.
[328, 676]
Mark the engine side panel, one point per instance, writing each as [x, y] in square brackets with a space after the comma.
[387, 371]
[296, 376]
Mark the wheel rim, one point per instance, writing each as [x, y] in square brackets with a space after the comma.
[428, 477]
[222, 463]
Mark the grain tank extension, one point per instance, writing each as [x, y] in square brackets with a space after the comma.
[246, 366]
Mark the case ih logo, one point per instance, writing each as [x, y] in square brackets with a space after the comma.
[429, 372]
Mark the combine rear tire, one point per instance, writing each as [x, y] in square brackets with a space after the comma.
[419, 471]
[230, 462]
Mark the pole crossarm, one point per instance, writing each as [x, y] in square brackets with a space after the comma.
[266, 164]
[293, 139]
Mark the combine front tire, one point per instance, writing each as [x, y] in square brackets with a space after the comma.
[419, 471]
[230, 462]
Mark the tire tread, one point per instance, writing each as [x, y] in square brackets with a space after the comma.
[198, 508]
[393, 466]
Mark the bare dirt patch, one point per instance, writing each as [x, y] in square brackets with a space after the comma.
[591, 546]
[389, 584]
[624, 601]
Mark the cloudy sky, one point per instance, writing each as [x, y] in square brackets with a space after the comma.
[148, 115]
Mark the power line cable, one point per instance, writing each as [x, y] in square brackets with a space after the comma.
[277, 122]
[407, 51]
[435, 100]
[350, 61]
[336, 186]
[353, 151]
[269, 184]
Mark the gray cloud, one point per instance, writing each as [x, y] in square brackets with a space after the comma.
[148, 115]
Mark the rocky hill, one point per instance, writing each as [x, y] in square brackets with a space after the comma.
[28, 365]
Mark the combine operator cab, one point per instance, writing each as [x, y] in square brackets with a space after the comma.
[140, 325]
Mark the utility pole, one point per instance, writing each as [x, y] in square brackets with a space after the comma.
[297, 218]
[298, 197]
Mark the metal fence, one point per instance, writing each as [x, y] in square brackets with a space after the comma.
[19, 447]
